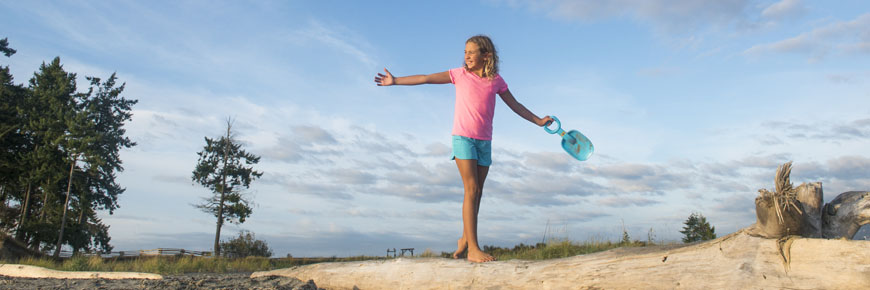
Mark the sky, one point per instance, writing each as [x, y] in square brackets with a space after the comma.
[691, 106]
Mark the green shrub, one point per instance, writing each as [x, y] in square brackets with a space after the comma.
[697, 229]
[245, 245]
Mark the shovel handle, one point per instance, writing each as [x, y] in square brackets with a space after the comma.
[558, 126]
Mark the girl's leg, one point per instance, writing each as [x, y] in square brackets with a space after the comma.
[462, 244]
[473, 184]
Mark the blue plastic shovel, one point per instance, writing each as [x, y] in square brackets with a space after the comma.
[574, 142]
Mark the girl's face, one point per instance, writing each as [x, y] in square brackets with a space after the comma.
[474, 60]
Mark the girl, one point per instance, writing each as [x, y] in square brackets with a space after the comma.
[476, 84]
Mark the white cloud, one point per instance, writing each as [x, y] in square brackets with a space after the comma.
[738, 203]
[822, 131]
[286, 150]
[578, 216]
[553, 161]
[850, 168]
[627, 201]
[842, 78]
[335, 37]
[318, 189]
[862, 47]
[834, 38]
[783, 9]
[438, 149]
[351, 176]
[673, 17]
[626, 171]
[642, 178]
[313, 134]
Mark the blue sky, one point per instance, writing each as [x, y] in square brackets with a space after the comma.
[691, 106]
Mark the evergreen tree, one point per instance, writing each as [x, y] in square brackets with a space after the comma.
[12, 143]
[626, 239]
[5, 49]
[95, 134]
[51, 110]
[697, 229]
[108, 111]
[222, 169]
[58, 157]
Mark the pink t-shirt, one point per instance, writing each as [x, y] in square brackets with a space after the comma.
[475, 103]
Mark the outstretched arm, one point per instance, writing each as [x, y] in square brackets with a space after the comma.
[521, 110]
[387, 79]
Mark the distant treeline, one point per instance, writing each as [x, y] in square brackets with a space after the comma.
[59, 156]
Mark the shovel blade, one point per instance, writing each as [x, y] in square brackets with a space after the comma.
[577, 145]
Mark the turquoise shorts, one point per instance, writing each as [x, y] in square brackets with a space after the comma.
[469, 148]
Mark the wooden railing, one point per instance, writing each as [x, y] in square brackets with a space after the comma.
[143, 253]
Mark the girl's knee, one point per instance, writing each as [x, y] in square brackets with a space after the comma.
[473, 190]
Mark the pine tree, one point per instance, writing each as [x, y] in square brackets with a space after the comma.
[59, 131]
[5, 49]
[108, 110]
[59, 157]
[97, 136]
[12, 143]
[626, 239]
[697, 229]
[221, 170]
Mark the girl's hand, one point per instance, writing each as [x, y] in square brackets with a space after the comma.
[385, 79]
[544, 121]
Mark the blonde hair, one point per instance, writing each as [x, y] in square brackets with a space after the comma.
[490, 67]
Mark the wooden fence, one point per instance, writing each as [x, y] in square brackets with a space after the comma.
[142, 253]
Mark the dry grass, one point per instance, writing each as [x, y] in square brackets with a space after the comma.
[556, 249]
[553, 249]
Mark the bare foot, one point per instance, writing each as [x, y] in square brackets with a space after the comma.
[461, 245]
[479, 256]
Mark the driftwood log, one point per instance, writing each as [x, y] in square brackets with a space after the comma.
[799, 210]
[736, 261]
[784, 249]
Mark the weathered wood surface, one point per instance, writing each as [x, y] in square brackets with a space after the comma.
[798, 210]
[736, 261]
[844, 216]
[27, 271]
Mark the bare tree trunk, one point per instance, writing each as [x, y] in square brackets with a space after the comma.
[19, 233]
[65, 206]
[220, 215]
[82, 209]
[220, 222]
[42, 210]
[83, 205]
